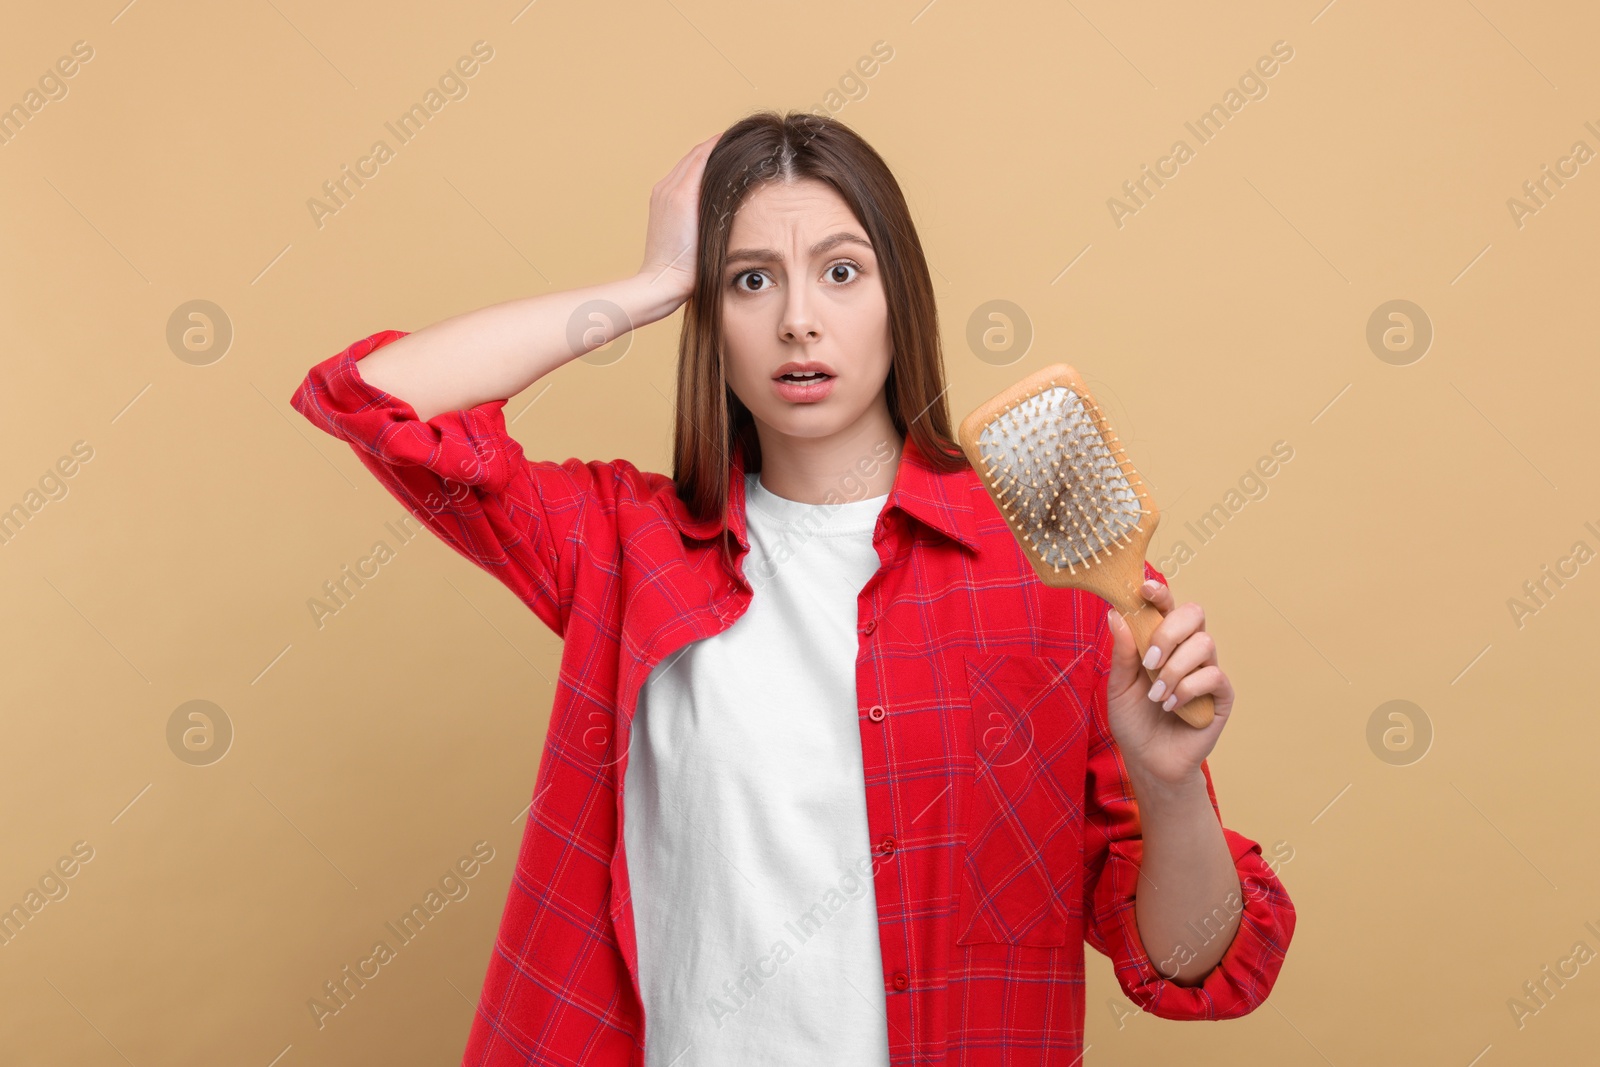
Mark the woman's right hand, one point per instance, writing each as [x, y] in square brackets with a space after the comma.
[673, 231]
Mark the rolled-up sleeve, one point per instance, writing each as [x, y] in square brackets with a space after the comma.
[1112, 853]
[464, 477]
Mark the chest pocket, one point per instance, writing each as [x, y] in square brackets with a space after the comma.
[1024, 825]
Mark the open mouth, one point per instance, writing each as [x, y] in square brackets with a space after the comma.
[803, 386]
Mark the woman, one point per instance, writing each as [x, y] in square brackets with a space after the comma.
[830, 777]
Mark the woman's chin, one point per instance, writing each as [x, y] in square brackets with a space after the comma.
[803, 421]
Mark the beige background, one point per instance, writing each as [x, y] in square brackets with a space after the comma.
[1229, 313]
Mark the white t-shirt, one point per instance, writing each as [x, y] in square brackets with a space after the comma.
[746, 823]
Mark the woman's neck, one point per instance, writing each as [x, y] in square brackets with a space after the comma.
[852, 465]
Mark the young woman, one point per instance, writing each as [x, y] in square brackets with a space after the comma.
[830, 776]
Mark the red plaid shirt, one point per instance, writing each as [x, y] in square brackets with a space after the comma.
[1004, 830]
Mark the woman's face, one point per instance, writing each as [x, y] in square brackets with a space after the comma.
[802, 285]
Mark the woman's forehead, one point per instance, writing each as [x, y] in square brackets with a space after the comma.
[796, 215]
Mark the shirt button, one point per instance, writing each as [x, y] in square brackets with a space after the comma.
[872, 624]
[886, 846]
[899, 980]
[876, 713]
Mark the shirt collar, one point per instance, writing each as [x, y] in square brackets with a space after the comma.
[940, 500]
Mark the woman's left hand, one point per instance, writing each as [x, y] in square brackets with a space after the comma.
[1156, 744]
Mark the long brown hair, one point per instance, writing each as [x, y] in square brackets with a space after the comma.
[768, 147]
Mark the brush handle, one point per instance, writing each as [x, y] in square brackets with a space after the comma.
[1143, 622]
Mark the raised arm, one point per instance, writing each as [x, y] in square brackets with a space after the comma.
[425, 413]
[498, 351]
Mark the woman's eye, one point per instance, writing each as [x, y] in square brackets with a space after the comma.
[843, 264]
[832, 274]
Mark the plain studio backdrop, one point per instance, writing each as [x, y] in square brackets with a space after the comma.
[1346, 331]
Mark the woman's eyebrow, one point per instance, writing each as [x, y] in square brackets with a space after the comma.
[768, 255]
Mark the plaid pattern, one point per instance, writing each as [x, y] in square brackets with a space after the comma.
[1004, 830]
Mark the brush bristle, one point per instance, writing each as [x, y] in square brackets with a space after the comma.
[1058, 479]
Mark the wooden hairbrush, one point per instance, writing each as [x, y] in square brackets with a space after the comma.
[1049, 459]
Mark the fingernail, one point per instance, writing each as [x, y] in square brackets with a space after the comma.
[1149, 587]
[1152, 657]
[1166, 705]
[1157, 689]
